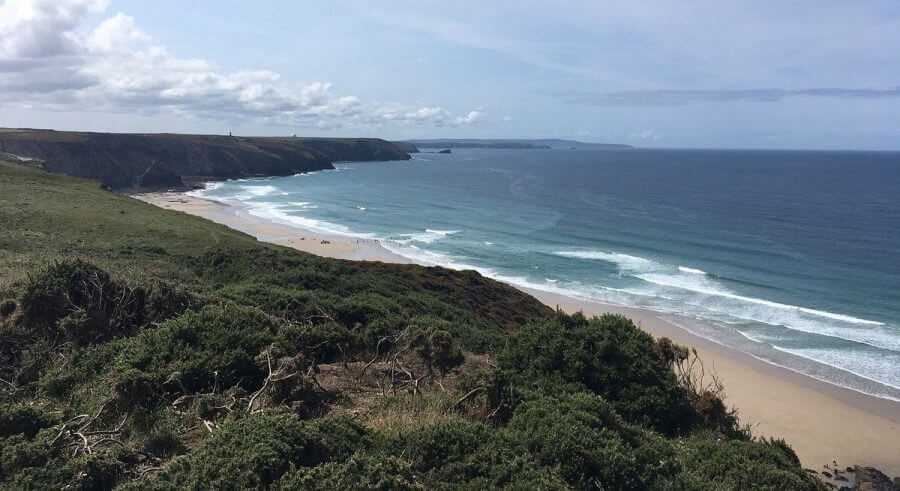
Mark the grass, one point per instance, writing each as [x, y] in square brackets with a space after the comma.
[49, 216]
[395, 415]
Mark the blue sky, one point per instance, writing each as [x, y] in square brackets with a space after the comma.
[653, 74]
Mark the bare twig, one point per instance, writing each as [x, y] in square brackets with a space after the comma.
[325, 315]
[150, 469]
[468, 395]
[377, 354]
[68, 424]
[265, 383]
[209, 425]
[108, 432]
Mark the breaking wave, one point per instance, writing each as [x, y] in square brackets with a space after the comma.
[696, 287]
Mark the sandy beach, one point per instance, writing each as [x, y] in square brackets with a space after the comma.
[821, 421]
[238, 218]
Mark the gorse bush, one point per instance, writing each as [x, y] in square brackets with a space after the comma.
[439, 351]
[254, 451]
[7, 308]
[77, 302]
[216, 346]
[607, 356]
[24, 419]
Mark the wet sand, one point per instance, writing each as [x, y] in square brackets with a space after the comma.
[237, 217]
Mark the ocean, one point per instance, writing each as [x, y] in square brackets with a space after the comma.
[790, 256]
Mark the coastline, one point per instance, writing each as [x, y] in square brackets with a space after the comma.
[267, 230]
[821, 421]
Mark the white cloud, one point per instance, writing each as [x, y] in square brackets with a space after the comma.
[506, 119]
[48, 62]
[31, 29]
[472, 117]
[115, 34]
[646, 135]
[427, 114]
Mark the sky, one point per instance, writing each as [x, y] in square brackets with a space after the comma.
[696, 74]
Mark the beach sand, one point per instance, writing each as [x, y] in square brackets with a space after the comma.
[821, 421]
[237, 217]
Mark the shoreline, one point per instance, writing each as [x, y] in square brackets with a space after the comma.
[823, 422]
[325, 244]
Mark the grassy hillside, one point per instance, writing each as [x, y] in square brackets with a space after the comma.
[148, 349]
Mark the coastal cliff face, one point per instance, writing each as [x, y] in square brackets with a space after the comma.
[408, 147]
[168, 160]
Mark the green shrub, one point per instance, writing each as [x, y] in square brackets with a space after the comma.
[76, 301]
[362, 471]
[163, 439]
[463, 455]
[165, 301]
[79, 302]
[31, 463]
[437, 445]
[438, 350]
[607, 355]
[196, 352]
[324, 343]
[34, 463]
[79, 369]
[256, 450]
[364, 308]
[7, 308]
[24, 419]
[289, 303]
[740, 464]
[583, 437]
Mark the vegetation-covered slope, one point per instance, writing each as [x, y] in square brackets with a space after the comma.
[150, 349]
[122, 160]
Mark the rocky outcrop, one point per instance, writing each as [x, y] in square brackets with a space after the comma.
[478, 144]
[169, 160]
[870, 479]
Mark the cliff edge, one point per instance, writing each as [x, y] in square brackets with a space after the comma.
[171, 160]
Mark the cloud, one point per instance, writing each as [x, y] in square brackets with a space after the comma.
[472, 117]
[646, 135]
[506, 119]
[115, 33]
[47, 62]
[35, 29]
[682, 97]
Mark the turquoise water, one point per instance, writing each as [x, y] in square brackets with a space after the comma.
[793, 257]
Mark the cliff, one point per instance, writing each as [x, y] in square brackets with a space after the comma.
[171, 160]
[407, 147]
